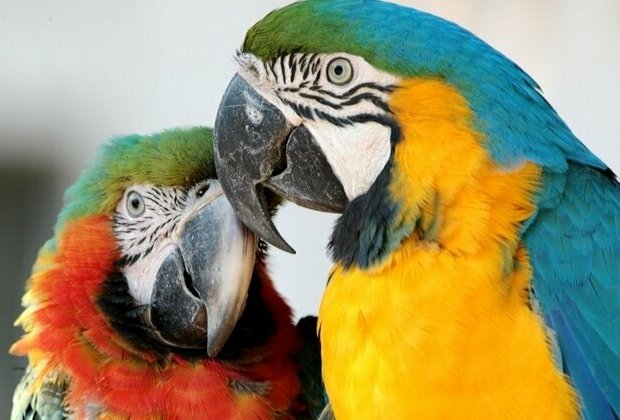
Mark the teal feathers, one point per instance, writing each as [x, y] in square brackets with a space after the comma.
[574, 247]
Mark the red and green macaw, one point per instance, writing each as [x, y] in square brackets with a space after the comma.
[153, 301]
[477, 255]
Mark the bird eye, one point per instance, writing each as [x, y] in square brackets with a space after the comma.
[135, 204]
[339, 71]
[202, 190]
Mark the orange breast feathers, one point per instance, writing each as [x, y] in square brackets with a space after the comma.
[66, 332]
[442, 327]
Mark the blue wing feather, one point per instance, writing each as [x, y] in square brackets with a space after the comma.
[574, 247]
[576, 366]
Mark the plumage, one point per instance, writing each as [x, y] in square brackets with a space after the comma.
[576, 269]
[478, 273]
[91, 352]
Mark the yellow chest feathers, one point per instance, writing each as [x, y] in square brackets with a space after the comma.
[434, 335]
[442, 327]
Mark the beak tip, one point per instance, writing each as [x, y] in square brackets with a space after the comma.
[213, 350]
[284, 246]
[270, 234]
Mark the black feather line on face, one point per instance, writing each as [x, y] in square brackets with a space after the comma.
[254, 328]
[283, 69]
[320, 100]
[346, 95]
[367, 96]
[293, 66]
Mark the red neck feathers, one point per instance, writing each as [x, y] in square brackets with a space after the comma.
[68, 334]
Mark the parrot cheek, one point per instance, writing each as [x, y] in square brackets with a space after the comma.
[356, 154]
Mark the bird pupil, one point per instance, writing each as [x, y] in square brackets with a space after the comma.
[135, 202]
[338, 70]
[202, 190]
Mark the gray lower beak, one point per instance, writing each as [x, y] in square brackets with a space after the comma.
[201, 287]
[257, 148]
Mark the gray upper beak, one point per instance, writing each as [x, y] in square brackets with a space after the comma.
[257, 148]
[201, 286]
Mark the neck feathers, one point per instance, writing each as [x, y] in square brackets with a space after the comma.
[68, 333]
[441, 185]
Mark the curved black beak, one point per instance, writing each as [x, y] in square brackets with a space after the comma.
[201, 286]
[256, 148]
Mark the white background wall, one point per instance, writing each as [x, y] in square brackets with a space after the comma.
[73, 73]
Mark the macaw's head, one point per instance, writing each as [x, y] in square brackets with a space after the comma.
[148, 244]
[374, 110]
[152, 298]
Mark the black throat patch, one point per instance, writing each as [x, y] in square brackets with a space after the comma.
[361, 236]
[254, 328]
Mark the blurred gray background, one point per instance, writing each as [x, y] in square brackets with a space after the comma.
[73, 73]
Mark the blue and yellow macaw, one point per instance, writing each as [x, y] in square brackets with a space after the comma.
[477, 255]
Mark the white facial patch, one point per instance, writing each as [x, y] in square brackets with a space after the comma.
[142, 274]
[145, 240]
[303, 79]
[348, 119]
[357, 153]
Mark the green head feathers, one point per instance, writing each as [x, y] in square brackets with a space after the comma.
[392, 38]
[312, 26]
[177, 157]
